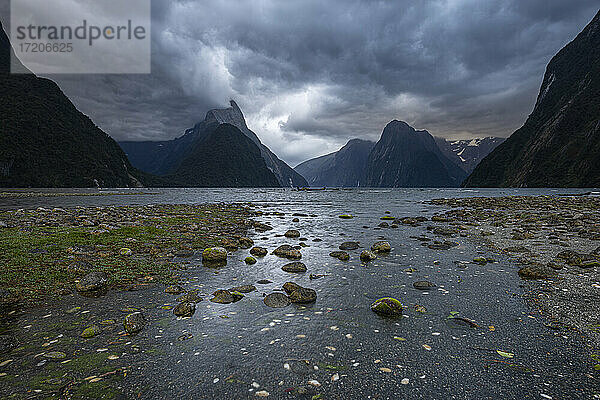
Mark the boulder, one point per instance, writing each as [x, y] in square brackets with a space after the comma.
[340, 255]
[276, 300]
[292, 233]
[381, 247]
[258, 251]
[388, 307]
[303, 296]
[296, 266]
[134, 323]
[367, 256]
[185, 309]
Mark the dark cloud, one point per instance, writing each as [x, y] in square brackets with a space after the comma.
[312, 74]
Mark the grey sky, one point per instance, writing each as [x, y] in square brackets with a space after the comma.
[310, 75]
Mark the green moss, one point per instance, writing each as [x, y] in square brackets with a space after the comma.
[387, 306]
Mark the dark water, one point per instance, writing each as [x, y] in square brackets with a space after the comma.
[237, 345]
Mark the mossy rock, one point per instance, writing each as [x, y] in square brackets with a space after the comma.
[174, 289]
[367, 256]
[292, 233]
[340, 255]
[245, 243]
[214, 255]
[226, 297]
[381, 247]
[134, 323]
[387, 218]
[346, 216]
[537, 272]
[185, 309]
[250, 260]
[295, 267]
[387, 306]
[480, 260]
[91, 331]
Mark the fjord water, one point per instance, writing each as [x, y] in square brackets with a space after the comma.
[430, 355]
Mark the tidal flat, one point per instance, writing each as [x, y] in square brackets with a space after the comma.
[497, 298]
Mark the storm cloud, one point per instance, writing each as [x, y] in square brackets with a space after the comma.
[310, 75]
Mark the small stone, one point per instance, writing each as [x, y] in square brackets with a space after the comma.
[185, 309]
[381, 247]
[292, 233]
[134, 323]
[258, 251]
[367, 256]
[423, 285]
[276, 300]
[214, 255]
[387, 306]
[296, 267]
[340, 255]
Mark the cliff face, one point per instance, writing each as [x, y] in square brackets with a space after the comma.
[404, 157]
[559, 144]
[46, 142]
[344, 168]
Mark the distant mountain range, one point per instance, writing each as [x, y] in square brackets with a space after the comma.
[467, 154]
[403, 157]
[46, 142]
[177, 161]
[559, 145]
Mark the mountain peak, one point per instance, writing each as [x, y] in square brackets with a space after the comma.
[232, 115]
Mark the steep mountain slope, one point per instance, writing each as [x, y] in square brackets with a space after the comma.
[467, 154]
[404, 157]
[46, 142]
[164, 157]
[344, 168]
[559, 145]
[224, 158]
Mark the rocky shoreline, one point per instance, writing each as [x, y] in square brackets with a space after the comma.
[556, 242]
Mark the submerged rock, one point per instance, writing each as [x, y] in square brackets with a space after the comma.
[174, 289]
[296, 266]
[340, 255]
[387, 306]
[185, 309]
[190, 297]
[349, 246]
[367, 256]
[134, 322]
[381, 247]
[91, 331]
[243, 289]
[258, 251]
[423, 285]
[276, 300]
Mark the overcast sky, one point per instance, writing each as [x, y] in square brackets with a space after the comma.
[309, 75]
